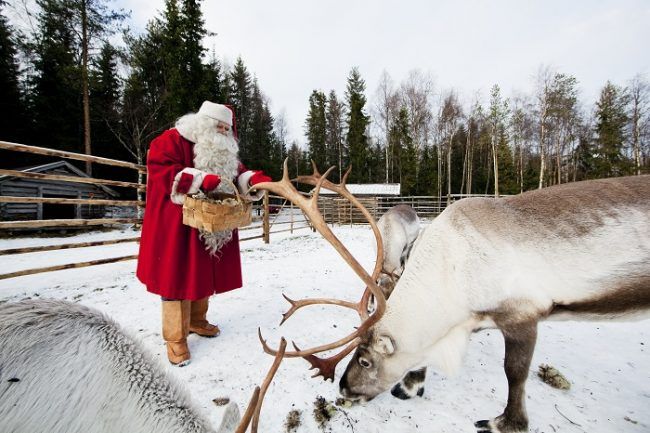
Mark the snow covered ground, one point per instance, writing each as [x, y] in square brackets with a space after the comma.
[608, 364]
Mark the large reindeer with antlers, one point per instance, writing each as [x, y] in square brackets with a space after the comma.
[575, 251]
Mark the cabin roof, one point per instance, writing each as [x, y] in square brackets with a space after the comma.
[44, 168]
[368, 189]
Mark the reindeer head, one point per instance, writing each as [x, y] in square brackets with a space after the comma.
[375, 367]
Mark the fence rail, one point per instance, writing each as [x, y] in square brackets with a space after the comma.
[269, 220]
[277, 214]
[6, 145]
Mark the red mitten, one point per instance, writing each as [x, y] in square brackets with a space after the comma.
[210, 182]
[259, 177]
[184, 183]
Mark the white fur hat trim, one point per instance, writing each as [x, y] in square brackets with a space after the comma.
[217, 112]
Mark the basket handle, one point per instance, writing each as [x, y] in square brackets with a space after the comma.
[232, 185]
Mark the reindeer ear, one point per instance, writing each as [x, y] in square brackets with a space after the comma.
[385, 345]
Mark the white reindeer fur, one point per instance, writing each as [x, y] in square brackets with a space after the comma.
[466, 263]
[399, 227]
[78, 371]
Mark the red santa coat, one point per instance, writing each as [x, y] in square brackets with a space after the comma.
[173, 261]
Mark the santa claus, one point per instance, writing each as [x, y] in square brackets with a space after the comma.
[179, 263]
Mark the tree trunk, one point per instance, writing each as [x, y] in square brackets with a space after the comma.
[542, 156]
[495, 158]
[84, 84]
[451, 140]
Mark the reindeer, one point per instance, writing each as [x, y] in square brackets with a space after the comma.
[575, 251]
[399, 228]
[67, 368]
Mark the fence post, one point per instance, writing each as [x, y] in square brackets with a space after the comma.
[265, 220]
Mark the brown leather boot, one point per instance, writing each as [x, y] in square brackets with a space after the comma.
[198, 323]
[176, 324]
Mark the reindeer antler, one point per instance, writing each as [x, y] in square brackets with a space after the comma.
[309, 206]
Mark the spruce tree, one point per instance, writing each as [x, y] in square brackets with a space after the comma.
[336, 151]
[260, 140]
[214, 84]
[105, 108]
[193, 71]
[404, 153]
[12, 126]
[357, 123]
[240, 91]
[428, 172]
[315, 129]
[611, 120]
[56, 83]
[143, 116]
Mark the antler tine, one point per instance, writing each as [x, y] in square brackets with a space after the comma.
[246, 419]
[341, 189]
[266, 383]
[310, 207]
[296, 305]
[345, 176]
[326, 366]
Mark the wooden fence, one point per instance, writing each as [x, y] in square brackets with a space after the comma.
[337, 210]
[273, 212]
[274, 215]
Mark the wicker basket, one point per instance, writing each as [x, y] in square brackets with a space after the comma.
[212, 216]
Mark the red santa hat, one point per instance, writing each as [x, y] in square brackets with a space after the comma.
[217, 112]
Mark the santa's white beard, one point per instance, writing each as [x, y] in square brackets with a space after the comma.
[213, 153]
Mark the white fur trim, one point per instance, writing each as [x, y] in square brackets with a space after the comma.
[244, 186]
[197, 180]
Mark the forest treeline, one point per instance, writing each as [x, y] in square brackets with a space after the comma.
[65, 83]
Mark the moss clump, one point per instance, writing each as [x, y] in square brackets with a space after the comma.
[551, 376]
[293, 421]
[323, 411]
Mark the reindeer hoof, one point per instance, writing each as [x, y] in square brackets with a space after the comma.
[404, 393]
[498, 425]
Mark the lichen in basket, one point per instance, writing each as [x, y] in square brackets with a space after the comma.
[216, 213]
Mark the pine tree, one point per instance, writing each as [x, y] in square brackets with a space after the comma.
[335, 149]
[55, 85]
[12, 121]
[193, 71]
[611, 119]
[105, 108]
[214, 82]
[404, 153]
[315, 129]
[357, 123]
[428, 172]
[142, 116]
[240, 92]
[260, 143]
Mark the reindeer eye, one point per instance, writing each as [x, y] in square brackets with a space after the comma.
[364, 363]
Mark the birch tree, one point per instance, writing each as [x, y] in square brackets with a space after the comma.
[543, 88]
[497, 117]
[639, 93]
[384, 113]
[448, 122]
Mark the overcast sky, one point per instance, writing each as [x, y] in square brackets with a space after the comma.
[294, 47]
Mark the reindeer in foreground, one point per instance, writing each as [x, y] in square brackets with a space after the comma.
[65, 368]
[575, 251]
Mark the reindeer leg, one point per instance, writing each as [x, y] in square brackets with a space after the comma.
[411, 385]
[520, 341]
